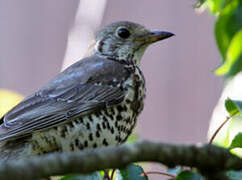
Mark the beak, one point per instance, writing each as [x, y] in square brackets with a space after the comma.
[154, 36]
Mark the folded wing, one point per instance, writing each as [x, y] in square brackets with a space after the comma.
[87, 86]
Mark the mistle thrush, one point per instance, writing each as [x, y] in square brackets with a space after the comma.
[93, 103]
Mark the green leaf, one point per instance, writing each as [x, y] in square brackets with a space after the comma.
[234, 175]
[133, 137]
[227, 25]
[189, 175]
[133, 172]
[175, 170]
[93, 176]
[199, 3]
[234, 128]
[233, 107]
[237, 141]
[233, 63]
[215, 5]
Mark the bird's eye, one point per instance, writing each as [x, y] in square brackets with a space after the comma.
[123, 33]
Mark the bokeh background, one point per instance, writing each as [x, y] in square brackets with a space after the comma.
[40, 38]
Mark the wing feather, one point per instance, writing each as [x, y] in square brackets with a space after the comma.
[65, 100]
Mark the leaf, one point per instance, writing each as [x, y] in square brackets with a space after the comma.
[199, 3]
[133, 137]
[216, 6]
[233, 107]
[234, 128]
[93, 176]
[237, 141]
[133, 172]
[234, 175]
[233, 63]
[175, 170]
[227, 25]
[189, 175]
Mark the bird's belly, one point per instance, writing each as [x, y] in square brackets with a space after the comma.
[106, 127]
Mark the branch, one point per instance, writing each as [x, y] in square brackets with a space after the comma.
[207, 158]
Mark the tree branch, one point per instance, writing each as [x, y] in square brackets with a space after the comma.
[207, 158]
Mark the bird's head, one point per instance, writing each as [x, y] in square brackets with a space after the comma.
[126, 41]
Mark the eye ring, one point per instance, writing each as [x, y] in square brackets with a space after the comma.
[123, 33]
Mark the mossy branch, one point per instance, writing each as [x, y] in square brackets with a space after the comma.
[206, 158]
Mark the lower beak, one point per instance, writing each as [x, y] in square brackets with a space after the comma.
[154, 36]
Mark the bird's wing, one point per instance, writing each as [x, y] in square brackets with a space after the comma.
[86, 86]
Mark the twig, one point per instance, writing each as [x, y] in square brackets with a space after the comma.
[220, 127]
[112, 174]
[160, 173]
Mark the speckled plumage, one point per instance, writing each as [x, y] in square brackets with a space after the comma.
[93, 103]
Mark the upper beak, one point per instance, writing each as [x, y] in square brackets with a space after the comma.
[154, 36]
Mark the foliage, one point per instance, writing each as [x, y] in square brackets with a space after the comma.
[237, 141]
[93, 176]
[133, 172]
[234, 175]
[189, 175]
[233, 107]
[228, 33]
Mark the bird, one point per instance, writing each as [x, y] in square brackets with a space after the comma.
[93, 103]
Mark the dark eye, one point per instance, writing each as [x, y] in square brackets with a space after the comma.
[123, 33]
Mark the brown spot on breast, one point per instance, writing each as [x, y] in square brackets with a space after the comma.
[112, 111]
[98, 127]
[120, 108]
[85, 143]
[119, 117]
[76, 142]
[112, 130]
[104, 125]
[105, 119]
[105, 143]
[106, 112]
[90, 118]
[97, 134]
[108, 125]
[71, 125]
[63, 131]
[90, 137]
[88, 126]
[116, 124]
[97, 113]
